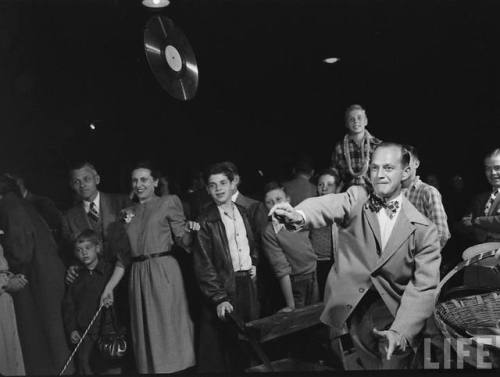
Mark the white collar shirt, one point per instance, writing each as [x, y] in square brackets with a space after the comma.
[96, 201]
[236, 233]
[386, 223]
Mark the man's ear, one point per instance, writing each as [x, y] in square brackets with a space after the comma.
[97, 179]
[417, 164]
[406, 173]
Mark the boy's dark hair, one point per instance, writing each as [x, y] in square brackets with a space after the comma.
[303, 166]
[274, 185]
[220, 168]
[331, 171]
[88, 235]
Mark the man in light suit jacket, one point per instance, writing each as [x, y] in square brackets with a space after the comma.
[386, 271]
[482, 224]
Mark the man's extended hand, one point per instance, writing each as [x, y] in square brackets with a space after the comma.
[395, 341]
[284, 213]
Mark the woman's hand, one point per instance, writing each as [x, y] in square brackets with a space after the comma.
[223, 308]
[16, 283]
[107, 297]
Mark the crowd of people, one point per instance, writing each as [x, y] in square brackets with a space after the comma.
[366, 236]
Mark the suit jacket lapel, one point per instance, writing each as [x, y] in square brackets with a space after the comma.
[107, 215]
[494, 205]
[81, 219]
[400, 233]
[372, 221]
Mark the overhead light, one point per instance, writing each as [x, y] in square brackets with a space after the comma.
[155, 3]
[331, 60]
[92, 126]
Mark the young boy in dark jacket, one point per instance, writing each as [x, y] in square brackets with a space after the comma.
[81, 302]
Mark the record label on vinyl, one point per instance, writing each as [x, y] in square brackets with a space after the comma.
[171, 57]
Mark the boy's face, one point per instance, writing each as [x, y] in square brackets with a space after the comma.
[326, 185]
[356, 121]
[274, 197]
[220, 188]
[87, 253]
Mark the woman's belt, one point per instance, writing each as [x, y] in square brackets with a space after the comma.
[142, 258]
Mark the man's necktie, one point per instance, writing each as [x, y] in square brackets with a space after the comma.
[375, 203]
[93, 214]
[490, 202]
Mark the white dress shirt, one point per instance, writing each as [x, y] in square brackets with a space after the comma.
[237, 239]
[386, 223]
[86, 204]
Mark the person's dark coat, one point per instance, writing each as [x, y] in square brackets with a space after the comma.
[31, 250]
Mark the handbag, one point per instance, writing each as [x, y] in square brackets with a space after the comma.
[112, 342]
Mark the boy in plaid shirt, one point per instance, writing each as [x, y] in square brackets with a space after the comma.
[351, 156]
[426, 198]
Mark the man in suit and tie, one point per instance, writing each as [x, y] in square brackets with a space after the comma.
[382, 286]
[101, 212]
[482, 223]
[94, 210]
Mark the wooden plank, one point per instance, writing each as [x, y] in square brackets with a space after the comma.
[279, 324]
[291, 365]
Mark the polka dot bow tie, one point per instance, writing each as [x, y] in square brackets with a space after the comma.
[375, 204]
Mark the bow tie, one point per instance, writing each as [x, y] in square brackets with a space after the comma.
[375, 204]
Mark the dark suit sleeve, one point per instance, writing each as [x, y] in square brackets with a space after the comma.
[50, 212]
[66, 242]
[208, 278]
[69, 311]
[19, 238]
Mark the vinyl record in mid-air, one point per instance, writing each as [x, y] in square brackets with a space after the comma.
[171, 57]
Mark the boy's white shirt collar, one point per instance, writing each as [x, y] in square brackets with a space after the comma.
[234, 197]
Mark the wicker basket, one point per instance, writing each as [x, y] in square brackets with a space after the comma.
[472, 320]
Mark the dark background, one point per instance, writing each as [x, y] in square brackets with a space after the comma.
[427, 73]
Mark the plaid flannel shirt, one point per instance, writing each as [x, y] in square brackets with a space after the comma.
[427, 200]
[340, 163]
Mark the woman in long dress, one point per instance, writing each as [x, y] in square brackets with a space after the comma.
[11, 356]
[162, 330]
